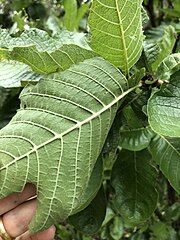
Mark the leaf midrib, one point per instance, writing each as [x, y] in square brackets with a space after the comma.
[76, 126]
[123, 38]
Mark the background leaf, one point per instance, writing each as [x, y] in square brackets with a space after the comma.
[45, 54]
[116, 28]
[13, 72]
[166, 153]
[135, 135]
[170, 65]
[133, 172]
[159, 45]
[91, 218]
[164, 108]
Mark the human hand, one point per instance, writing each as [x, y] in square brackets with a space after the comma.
[16, 213]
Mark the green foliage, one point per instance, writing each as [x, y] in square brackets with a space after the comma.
[135, 194]
[114, 36]
[98, 137]
[164, 108]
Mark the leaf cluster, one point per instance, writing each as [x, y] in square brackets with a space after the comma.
[98, 127]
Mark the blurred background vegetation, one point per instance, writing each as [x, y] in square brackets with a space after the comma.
[52, 16]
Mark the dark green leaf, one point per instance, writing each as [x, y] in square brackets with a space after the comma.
[134, 179]
[166, 153]
[90, 219]
[164, 108]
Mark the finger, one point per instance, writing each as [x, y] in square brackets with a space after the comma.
[15, 199]
[45, 235]
[17, 220]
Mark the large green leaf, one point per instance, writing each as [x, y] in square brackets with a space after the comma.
[91, 218]
[166, 153]
[116, 28]
[164, 108]
[45, 54]
[134, 179]
[13, 72]
[56, 137]
[170, 65]
[159, 45]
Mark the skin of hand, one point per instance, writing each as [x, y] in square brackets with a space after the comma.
[17, 211]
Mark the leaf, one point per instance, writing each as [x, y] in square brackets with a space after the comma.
[166, 153]
[93, 185]
[164, 109]
[134, 179]
[117, 228]
[159, 45]
[145, 17]
[116, 28]
[136, 139]
[45, 54]
[90, 219]
[135, 135]
[70, 7]
[56, 137]
[136, 77]
[170, 65]
[12, 73]
[3, 96]
[81, 12]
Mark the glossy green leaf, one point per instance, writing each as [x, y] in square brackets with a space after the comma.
[91, 218]
[134, 179]
[166, 153]
[159, 45]
[134, 134]
[135, 139]
[45, 54]
[116, 28]
[56, 137]
[164, 108]
[13, 72]
[170, 65]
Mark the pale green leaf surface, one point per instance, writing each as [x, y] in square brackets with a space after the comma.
[159, 45]
[13, 72]
[166, 153]
[170, 65]
[134, 179]
[116, 28]
[45, 54]
[56, 137]
[164, 108]
[93, 185]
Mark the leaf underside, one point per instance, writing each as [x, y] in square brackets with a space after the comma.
[116, 28]
[56, 137]
[12, 73]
